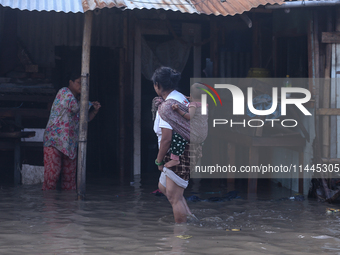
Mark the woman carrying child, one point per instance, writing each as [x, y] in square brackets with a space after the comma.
[198, 125]
[173, 180]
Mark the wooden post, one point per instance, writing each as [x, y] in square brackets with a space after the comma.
[301, 162]
[17, 154]
[122, 140]
[84, 106]
[197, 51]
[275, 56]
[334, 91]
[316, 50]
[137, 101]
[256, 45]
[326, 94]
[214, 55]
[231, 150]
[336, 138]
[253, 161]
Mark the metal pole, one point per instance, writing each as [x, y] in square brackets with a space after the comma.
[84, 106]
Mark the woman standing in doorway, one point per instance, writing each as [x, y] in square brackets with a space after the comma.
[172, 182]
[61, 136]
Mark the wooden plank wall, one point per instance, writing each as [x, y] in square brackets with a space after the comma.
[335, 100]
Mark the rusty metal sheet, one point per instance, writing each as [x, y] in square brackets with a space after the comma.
[173, 5]
[229, 7]
[215, 7]
[100, 4]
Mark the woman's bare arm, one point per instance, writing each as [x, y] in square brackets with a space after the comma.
[93, 113]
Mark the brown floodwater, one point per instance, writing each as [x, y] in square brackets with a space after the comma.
[118, 219]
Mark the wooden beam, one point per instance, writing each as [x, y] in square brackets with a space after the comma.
[17, 134]
[24, 112]
[291, 141]
[46, 89]
[264, 141]
[328, 111]
[331, 160]
[259, 10]
[27, 98]
[84, 106]
[330, 37]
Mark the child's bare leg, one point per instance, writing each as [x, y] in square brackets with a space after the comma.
[172, 163]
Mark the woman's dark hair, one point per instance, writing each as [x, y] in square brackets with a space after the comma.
[72, 76]
[166, 77]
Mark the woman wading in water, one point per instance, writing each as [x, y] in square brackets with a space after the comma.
[61, 136]
[173, 180]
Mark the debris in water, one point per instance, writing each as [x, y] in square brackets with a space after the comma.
[157, 193]
[332, 210]
[227, 197]
[184, 236]
[212, 219]
[194, 199]
[298, 197]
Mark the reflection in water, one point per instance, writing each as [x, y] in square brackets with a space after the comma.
[173, 244]
[129, 220]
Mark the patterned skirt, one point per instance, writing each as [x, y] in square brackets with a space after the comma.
[188, 160]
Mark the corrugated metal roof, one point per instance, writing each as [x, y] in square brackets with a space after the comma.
[174, 5]
[216, 7]
[44, 5]
[229, 7]
[100, 4]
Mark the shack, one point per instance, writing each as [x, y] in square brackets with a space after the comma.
[129, 40]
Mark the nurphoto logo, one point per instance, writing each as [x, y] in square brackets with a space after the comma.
[238, 102]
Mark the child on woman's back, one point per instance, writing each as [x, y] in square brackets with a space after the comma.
[198, 125]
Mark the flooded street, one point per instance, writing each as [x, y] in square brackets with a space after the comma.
[130, 220]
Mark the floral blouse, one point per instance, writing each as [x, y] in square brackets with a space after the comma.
[62, 128]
